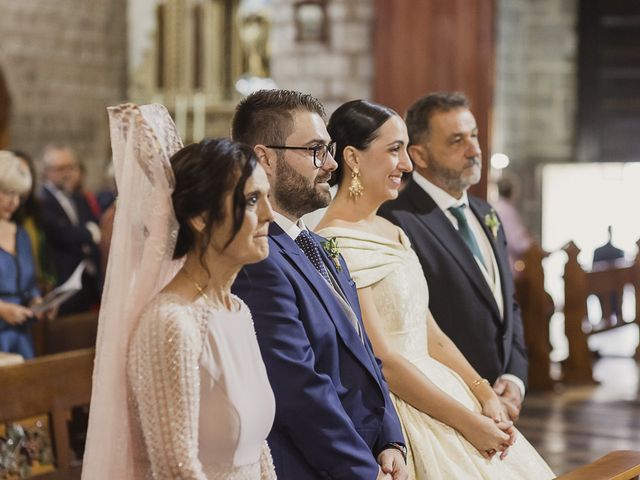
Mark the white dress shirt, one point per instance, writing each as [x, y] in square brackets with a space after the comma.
[292, 229]
[489, 271]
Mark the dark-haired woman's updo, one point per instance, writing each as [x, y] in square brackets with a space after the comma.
[205, 173]
[355, 124]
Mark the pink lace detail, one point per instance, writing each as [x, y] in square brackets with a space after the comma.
[140, 265]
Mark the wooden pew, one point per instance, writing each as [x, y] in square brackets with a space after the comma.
[51, 385]
[65, 333]
[537, 307]
[579, 285]
[54, 384]
[618, 465]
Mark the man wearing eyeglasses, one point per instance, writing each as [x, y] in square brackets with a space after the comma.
[334, 418]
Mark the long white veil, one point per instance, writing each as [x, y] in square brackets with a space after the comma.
[143, 138]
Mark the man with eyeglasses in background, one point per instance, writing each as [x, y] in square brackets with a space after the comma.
[334, 418]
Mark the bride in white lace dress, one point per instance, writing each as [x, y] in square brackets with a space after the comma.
[180, 389]
[453, 421]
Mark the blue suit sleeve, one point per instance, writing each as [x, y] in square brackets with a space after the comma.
[391, 429]
[308, 409]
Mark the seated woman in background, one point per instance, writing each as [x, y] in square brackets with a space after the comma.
[453, 420]
[29, 216]
[182, 391]
[18, 288]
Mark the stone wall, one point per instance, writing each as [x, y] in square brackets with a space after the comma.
[341, 69]
[536, 91]
[64, 61]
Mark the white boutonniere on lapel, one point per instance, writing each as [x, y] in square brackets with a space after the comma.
[491, 221]
[331, 247]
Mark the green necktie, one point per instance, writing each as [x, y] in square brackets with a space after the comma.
[465, 231]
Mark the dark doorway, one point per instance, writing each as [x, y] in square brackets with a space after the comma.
[609, 81]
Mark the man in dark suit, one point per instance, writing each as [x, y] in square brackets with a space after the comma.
[606, 255]
[334, 418]
[70, 227]
[461, 244]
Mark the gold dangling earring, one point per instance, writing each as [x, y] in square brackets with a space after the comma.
[356, 188]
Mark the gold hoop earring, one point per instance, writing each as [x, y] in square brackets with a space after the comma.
[355, 189]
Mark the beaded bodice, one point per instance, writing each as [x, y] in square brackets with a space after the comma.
[201, 391]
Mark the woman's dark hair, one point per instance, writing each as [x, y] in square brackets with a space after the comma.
[30, 206]
[205, 172]
[355, 124]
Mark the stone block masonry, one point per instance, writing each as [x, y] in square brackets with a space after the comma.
[335, 72]
[64, 61]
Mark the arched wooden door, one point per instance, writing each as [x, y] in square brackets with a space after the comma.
[5, 106]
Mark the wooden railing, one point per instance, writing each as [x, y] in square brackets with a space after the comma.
[537, 308]
[607, 282]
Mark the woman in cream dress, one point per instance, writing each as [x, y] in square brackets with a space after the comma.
[453, 420]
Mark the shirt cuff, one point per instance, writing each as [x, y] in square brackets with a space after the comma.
[519, 383]
[397, 446]
[94, 230]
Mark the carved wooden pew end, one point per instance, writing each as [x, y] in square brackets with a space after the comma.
[51, 385]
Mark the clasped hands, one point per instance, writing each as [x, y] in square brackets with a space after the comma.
[493, 431]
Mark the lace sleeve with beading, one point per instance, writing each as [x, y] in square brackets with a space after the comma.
[267, 470]
[165, 380]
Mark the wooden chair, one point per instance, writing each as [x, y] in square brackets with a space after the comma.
[51, 385]
[579, 285]
[537, 307]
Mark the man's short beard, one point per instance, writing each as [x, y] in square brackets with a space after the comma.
[451, 179]
[295, 194]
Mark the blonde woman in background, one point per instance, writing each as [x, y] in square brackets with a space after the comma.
[18, 288]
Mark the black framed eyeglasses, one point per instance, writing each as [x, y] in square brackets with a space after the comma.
[320, 151]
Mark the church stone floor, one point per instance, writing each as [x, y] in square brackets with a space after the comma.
[577, 425]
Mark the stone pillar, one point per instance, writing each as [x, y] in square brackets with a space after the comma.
[536, 91]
